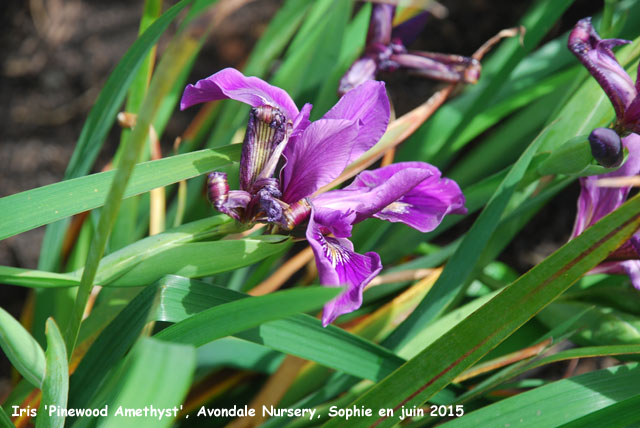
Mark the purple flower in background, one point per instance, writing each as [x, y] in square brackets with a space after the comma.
[310, 155]
[596, 55]
[385, 51]
[596, 201]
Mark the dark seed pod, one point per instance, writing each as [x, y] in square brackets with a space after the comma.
[606, 147]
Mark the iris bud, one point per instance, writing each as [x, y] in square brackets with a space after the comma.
[606, 147]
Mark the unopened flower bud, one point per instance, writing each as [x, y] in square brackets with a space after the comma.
[606, 147]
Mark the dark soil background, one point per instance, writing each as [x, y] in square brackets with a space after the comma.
[57, 54]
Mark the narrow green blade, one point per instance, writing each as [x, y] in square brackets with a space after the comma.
[438, 364]
[234, 317]
[561, 402]
[55, 387]
[155, 376]
[300, 334]
[32, 208]
[22, 350]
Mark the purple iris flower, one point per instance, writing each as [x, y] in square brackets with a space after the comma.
[595, 201]
[286, 159]
[596, 55]
[386, 51]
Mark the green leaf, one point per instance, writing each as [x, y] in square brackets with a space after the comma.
[621, 297]
[600, 326]
[35, 278]
[300, 335]
[457, 274]
[557, 333]
[4, 419]
[560, 402]
[234, 317]
[28, 210]
[100, 120]
[506, 142]
[240, 354]
[437, 365]
[438, 328]
[110, 346]
[313, 51]
[55, 386]
[352, 43]
[151, 12]
[119, 262]
[176, 56]
[585, 352]
[569, 158]
[200, 259]
[552, 86]
[126, 229]
[22, 350]
[624, 413]
[155, 374]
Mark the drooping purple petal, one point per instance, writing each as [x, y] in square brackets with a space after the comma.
[317, 157]
[380, 25]
[230, 83]
[373, 191]
[367, 104]
[362, 70]
[338, 265]
[409, 192]
[594, 201]
[596, 55]
[424, 207]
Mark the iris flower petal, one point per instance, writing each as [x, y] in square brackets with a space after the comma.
[409, 192]
[323, 150]
[339, 265]
[230, 83]
[367, 104]
[317, 157]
